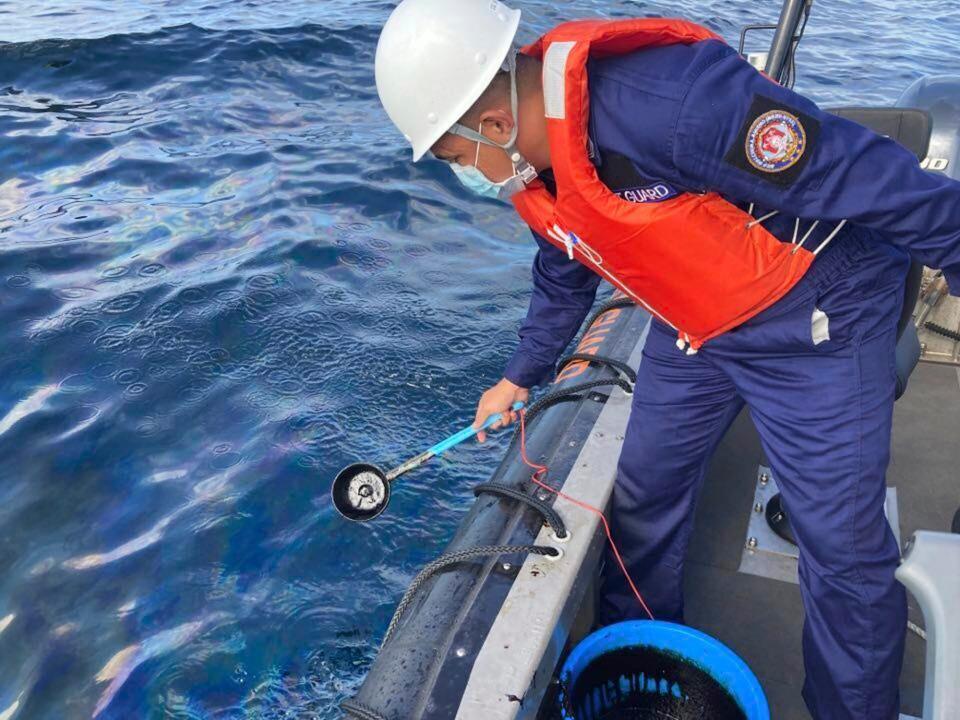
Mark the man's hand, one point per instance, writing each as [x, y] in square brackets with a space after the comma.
[499, 399]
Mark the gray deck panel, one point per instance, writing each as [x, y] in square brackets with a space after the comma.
[925, 461]
[762, 619]
[725, 499]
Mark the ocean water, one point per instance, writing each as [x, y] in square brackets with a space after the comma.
[220, 281]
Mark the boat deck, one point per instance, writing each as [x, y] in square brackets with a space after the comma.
[761, 618]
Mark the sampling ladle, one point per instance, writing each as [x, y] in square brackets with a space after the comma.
[361, 491]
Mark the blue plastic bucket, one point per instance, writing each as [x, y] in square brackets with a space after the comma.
[623, 668]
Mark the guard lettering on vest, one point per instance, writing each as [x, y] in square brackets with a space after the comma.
[618, 173]
[651, 193]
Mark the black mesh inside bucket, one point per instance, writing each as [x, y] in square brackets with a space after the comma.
[642, 683]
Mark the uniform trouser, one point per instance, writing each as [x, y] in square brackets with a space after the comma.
[823, 410]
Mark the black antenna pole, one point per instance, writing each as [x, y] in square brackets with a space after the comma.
[790, 16]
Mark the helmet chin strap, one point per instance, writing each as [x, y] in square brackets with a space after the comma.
[525, 171]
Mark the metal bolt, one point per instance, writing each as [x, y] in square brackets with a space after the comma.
[507, 567]
[752, 543]
[599, 434]
[764, 478]
[542, 495]
[461, 652]
[758, 507]
[573, 443]
[619, 437]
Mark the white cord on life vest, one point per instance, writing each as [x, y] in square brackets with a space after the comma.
[766, 217]
[807, 235]
[826, 241]
[796, 232]
[569, 241]
[830, 237]
[591, 254]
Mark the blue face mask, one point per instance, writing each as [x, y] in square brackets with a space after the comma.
[474, 180]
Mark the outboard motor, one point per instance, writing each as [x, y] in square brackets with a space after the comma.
[939, 97]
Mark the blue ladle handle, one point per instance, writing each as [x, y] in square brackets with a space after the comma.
[444, 445]
[468, 432]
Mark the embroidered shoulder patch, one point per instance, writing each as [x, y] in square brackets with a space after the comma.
[774, 142]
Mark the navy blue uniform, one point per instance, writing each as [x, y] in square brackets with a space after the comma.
[816, 370]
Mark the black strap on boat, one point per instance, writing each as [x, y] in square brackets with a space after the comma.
[617, 365]
[360, 711]
[574, 392]
[454, 558]
[561, 395]
[551, 516]
[941, 330]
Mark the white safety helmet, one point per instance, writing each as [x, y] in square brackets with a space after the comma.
[435, 58]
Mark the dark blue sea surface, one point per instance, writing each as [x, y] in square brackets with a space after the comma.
[221, 280]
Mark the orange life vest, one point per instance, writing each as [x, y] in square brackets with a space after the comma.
[695, 261]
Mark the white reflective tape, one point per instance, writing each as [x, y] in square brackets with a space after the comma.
[819, 326]
[555, 79]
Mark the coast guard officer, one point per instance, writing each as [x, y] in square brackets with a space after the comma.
[769, 240]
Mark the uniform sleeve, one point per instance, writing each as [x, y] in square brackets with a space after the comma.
[563, 293]
[751, 140]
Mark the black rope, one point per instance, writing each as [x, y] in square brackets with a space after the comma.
[454, 558]
[599, 360]
[546, 402]
[358, 710]
[551, 516]
[551, 399]
[941, 330]
[615, 303]
[562, 395]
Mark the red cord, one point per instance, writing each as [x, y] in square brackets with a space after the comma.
[539, 471]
